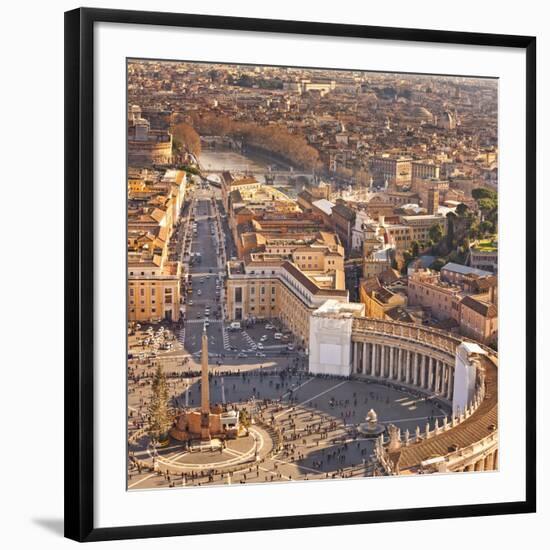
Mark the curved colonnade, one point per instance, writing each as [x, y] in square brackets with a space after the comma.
[413, 356]
[424, 359]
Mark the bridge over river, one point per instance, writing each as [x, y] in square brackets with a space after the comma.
[214, 162]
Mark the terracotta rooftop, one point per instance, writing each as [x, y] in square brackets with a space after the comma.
[483, 308]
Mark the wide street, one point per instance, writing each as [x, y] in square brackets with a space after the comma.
[207, 244]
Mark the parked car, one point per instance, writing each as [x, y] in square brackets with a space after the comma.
[277, 336]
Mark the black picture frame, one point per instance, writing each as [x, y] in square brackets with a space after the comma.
[79, 269]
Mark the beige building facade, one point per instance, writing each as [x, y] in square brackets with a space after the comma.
[280, 289]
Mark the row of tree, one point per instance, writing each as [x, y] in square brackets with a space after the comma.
[275, 139]
[186, 138]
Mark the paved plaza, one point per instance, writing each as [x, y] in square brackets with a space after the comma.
[315, 419]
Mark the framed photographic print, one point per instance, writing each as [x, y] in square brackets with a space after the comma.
[300, 274]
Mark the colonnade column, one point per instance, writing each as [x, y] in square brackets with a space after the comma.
[365, 358]
[416, 369]
[451, 383]
[399, 364]
[355, 356]
[423, 377]
[373, 362]
[437, 380]
[489, 462]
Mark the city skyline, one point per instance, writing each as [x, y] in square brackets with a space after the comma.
[312, 274]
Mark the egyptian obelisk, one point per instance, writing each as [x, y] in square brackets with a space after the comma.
[205, 390]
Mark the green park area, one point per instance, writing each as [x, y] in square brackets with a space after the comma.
[487, 245]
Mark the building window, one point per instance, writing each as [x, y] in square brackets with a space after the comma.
[238, 294]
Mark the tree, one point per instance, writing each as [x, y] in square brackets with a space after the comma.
[415, 249]
[436, 233]
[483, 193]
[188, 137]
[159, 418]
[473, 231]
[486, 227]
[451, 219]
[461, 209]
[438, 264]
[275, 139]
[245, 80]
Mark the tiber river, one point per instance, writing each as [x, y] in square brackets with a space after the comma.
[223, 159]
[237, 162]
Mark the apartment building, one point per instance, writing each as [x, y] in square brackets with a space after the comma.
[153, 290]
[268, 285]
[378, 299]
[395, 170]
[470, 300]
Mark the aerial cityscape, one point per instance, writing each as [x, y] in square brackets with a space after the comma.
[312, 261]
